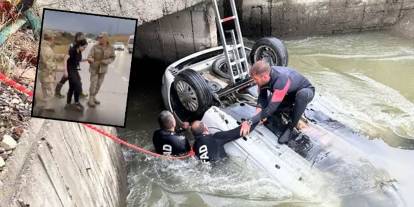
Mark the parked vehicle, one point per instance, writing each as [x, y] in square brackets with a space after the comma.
[119, 46]
[131, 44]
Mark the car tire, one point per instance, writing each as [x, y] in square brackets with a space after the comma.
[220, 67]
[190, 95]
[270, 48]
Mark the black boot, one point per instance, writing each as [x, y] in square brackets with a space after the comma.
[79, 107]
[58, 89]
[285, 137]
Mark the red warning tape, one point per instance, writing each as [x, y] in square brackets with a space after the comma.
[15, 85]
[114, 138]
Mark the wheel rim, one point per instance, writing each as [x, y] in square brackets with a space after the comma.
[267, 54]
[187, 95]
[223, 67]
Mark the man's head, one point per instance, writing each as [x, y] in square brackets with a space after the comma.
[49, 36]
[79, 36]
[198, 128]
[81, 44]
[166, 120]
[103, 38]
[260, 73]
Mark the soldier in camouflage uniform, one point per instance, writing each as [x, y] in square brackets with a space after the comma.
[48, 65]
[100, 56]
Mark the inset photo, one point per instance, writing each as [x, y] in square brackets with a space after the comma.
[84, 67]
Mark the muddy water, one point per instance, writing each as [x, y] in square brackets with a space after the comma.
[365, 81]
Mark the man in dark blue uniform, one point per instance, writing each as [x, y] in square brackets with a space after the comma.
[168, 140]
[286, 87]
[210, 147]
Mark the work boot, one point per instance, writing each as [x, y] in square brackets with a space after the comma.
[96, 101]
[91, 101]
[83, 95]
[58, 89]
[285, 137]
[67, 106]
[78, 106]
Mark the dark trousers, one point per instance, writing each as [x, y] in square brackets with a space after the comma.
[303, 97]
[295, 104]
[63, 80]
[75, 86]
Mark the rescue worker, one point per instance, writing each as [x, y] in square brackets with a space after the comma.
[73, 66]
[287, 88]
[167, 140]
[48, 65]
[210, 147]
[78, 36]
[100, 56]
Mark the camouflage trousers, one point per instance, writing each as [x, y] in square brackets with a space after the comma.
[48, 93]
[96, 82]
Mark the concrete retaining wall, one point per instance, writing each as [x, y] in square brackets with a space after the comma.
[143, 10]
[63, 164]
[315, 17]
[177, 35]
[405, 26]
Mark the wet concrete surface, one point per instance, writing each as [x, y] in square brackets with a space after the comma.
[112, 95]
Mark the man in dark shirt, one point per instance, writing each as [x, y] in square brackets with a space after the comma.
[167, 140]
[210, 147]
[78, 37]
[287, 87]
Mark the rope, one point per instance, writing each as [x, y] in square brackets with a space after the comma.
[114, 138]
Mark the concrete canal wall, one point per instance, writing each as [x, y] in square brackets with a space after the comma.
[64, 164]
[178, 35]
[143, 10]
[285, 18]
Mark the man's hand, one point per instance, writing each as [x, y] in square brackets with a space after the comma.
[186, 125]
[245, 128]
[258, 110]
[90, 60]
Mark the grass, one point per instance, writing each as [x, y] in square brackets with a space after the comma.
[61, 49]
[62, 42]
[119, 38]
[13, 59]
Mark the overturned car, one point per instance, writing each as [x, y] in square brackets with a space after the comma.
[317, 164]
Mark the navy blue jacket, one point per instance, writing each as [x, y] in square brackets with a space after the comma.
[283, 81]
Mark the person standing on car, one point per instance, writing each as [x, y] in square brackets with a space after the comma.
[286, 87]
[75, 84]
[168, 140]
[48, 65]
[100, 56]
[210, 147]
[78, 36]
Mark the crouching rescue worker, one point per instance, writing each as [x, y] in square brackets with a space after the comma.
[167, 140]
[287, 87]
[210, 147]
